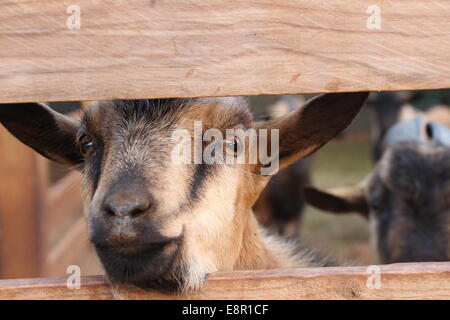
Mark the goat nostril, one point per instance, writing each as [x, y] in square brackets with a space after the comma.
[128, 209]
[429, 131]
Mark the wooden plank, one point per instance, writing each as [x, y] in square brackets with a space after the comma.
[187, 48]
[21, 189]
[67, 250]
[398, 281]
[92, 287]
[62, 197]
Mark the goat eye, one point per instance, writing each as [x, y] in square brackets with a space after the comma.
[232, 146]
[86, 145]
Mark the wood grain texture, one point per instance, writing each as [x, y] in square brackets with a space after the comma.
[62, 197]
[67, 250]
[21, 201]
[398, 281]
[187, 48]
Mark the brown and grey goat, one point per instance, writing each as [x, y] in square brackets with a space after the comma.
[158, 223]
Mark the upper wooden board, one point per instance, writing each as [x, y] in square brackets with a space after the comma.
[182, 48]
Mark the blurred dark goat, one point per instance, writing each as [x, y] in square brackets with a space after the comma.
[407, 195]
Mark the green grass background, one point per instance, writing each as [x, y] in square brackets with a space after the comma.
[342, 162]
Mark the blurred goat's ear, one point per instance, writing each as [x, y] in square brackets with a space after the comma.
[48, 132]
[342, 200]
[313, 125]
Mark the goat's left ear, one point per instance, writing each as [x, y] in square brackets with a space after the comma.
[48, 132]
[313, 125]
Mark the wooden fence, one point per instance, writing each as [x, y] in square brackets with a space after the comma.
[190, 48]
[397, 281]
[93, 50]
[31, 207]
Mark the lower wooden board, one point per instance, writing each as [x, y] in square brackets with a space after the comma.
[107, 49]
[397, 281]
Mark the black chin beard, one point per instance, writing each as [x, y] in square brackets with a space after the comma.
[174, 280]
[161, 285]
[169, 283]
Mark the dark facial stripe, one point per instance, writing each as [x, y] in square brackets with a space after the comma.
[200, 173]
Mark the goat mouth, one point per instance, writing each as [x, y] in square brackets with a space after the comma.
[144, 265]
[137, 249]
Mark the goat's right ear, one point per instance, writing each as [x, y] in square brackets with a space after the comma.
[344, 200]
[314, 124]
[48, 132]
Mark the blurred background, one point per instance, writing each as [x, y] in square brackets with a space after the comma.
[42, 230]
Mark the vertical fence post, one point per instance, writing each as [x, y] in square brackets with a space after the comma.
[21, 202]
